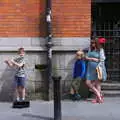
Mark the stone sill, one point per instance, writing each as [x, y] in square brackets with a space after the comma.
[42, 49]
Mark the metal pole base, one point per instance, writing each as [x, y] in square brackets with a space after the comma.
[57, 98]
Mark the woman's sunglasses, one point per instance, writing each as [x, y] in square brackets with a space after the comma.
[92, 42]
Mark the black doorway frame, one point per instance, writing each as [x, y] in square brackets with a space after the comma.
[106, 23]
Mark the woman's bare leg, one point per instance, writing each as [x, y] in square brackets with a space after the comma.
[98, 87]
[96, 92]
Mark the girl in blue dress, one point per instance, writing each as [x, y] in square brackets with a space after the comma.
[93, 58]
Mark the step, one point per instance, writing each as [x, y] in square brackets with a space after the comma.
[111, 93]
[110, 86]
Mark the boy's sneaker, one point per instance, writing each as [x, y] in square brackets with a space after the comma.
[17, 99]
[76, 97]
[22, 99]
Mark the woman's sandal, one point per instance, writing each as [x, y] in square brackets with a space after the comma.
[94, 101]
[98, 100]
[102, 96]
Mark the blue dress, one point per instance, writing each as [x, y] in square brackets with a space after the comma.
[91, 65]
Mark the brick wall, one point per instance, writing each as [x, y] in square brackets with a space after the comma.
[71, 18]
[22, 23]
[22, 18]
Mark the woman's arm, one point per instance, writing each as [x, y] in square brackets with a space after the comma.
[102, 55]
[92, 59]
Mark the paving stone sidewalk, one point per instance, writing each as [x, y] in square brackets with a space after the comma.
[82, 110]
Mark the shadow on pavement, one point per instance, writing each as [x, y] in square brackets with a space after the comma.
[37, 116]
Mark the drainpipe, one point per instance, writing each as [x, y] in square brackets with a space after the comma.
[49, 48]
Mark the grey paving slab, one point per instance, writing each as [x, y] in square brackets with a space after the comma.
[82, 110]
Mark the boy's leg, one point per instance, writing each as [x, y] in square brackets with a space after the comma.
[16, 92]
[22, 86]
[23, 93]
[75, 86]
[72, 91]
[17, 96]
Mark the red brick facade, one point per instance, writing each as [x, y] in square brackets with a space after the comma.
[71, 18]
[22, 18]
[26, 18]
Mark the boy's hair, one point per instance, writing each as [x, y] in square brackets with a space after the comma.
[21, 50]
[80, 54]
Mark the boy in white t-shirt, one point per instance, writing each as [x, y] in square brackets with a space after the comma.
[20, 77]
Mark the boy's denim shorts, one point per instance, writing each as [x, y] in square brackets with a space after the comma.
[19, 81]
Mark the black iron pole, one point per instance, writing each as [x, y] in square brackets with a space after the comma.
[49, 47]
[56, 79]
[57, 98]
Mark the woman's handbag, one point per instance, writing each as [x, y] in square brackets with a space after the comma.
[101, 71]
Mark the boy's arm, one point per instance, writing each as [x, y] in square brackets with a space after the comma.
[17, 64]
[9, 63]
[83, 67]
